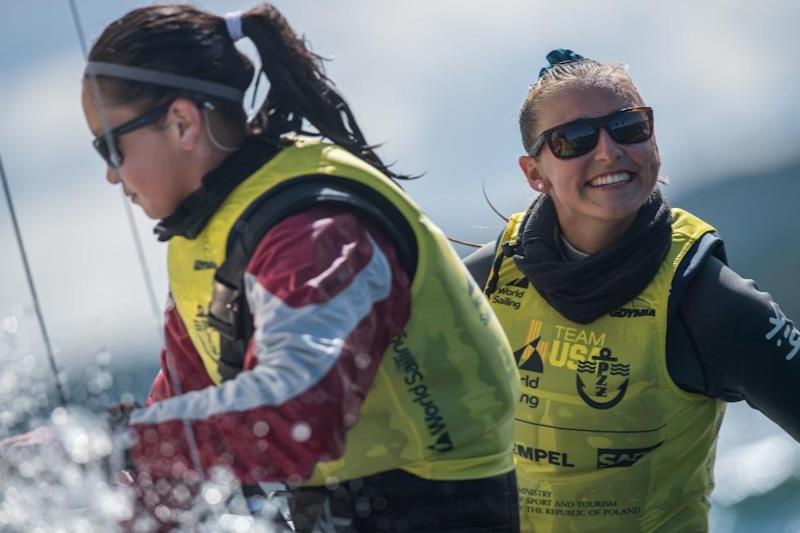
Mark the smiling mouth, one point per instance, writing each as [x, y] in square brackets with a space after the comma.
[611, 179]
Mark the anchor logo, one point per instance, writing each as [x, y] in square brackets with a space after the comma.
[602, 366]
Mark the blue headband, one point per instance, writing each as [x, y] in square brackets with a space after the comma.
[559, 57]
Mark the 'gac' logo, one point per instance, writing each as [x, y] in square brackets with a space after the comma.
[613, 458]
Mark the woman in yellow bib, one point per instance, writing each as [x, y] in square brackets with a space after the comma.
[628, 328]
[321, 332]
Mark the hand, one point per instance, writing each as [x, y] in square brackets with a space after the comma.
[65, 467]
[38, 437]
[73, 436]
[30, 454]
[118, 415]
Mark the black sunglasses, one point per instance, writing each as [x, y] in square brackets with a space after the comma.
[626, 126]
[106, 143]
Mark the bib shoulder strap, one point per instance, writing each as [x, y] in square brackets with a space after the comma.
[229, 312]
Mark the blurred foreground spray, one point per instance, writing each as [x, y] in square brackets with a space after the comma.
[65, 476]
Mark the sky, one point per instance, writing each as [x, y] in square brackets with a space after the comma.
[438, 83]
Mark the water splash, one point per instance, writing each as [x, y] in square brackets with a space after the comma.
[66, 476]
[756, 469]
[59, 478]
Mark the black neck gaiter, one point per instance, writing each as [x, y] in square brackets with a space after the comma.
[585, 290]
[192, 215]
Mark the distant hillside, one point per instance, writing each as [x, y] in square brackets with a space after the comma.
[759, 217]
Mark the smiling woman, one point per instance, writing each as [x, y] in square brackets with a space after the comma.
[629, 329]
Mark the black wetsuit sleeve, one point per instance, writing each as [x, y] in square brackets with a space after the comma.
[479, 263]
[745, 346]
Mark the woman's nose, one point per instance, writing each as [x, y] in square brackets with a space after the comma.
[112, 175]
[607, 148]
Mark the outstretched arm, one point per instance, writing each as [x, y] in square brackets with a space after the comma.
[327, 293]
[747, 348]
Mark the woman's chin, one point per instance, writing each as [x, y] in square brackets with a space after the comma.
[618, 212]
[152, 214]
[621, 206]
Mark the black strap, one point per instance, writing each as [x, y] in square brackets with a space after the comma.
[707, 244]
[509, 249]
[192, 215]
[491, 286]
[228, 312]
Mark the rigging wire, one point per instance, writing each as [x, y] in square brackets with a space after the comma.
[492, 207]
[465, 243]
[32, 286]
[488, 201]
[148, 280]
[187, 427]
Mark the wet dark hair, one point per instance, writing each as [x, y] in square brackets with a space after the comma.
[184, 40]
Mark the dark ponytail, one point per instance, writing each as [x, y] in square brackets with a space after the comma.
[181, 39]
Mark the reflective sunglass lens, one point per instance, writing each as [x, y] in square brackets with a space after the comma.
[580, 137]
[627, 126]
[573, 140]
[630, 127]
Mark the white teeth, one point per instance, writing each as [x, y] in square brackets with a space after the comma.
[610, 179]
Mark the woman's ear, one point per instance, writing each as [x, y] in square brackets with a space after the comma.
[530, 167]
[188, 122]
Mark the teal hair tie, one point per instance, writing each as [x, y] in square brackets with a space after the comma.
[559, 57]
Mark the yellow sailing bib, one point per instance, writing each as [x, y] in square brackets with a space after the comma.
[442, 401]
[605, 441]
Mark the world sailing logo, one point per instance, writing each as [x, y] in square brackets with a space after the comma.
[531, 356]
[532, 363]
[414, 379]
